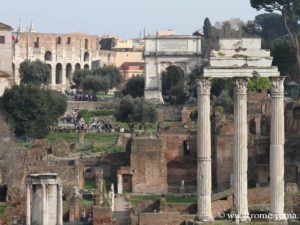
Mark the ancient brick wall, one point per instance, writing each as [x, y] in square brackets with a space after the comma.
[148, 166]
[102, 216]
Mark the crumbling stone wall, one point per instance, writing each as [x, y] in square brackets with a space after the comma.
[148, 166]
[102, 216]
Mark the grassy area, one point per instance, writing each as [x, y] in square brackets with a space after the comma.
[53, 136]
[181, 200]
[86, 202]
[110, 138]
[2, 208]
[94, 142]
[90, 184]
[104, 96]
[134, 199]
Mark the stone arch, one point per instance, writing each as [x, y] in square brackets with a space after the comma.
[77, 66]
[161, 52]
[194, 115]
[48, 56]
[58, 73]
[86, 57]
[69, 71]
[86, 66]
[172, 83]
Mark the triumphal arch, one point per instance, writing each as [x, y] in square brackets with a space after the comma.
[239, 60]
[163, 51]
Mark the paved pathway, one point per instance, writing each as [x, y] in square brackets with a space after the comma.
[121, 212]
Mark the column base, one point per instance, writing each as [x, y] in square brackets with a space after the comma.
[200, 219]
[242, 219]
[276, 217]
[154, 96]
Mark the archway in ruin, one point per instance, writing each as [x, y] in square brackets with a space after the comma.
[173, 84]
[86, 57]
[77, 66]
[163, 51]
[48, 56]
[86, 67]
[69, 73]
[58, 74]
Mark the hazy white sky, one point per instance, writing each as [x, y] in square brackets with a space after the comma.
[125, 18]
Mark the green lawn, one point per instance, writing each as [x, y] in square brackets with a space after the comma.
[86, 202]
[90, 184]
[104, 96]
[181, 200]
[2, 208]
[134, 199]
[94, 142]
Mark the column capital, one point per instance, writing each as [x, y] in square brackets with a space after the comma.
[203, 85]
[277, 85]
[240, 85]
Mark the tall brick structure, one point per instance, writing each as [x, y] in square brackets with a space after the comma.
[148, 166]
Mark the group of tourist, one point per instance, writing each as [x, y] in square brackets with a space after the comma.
[78, 96]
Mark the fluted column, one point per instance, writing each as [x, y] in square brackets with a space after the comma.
[277, 150]
[240, 160]
[204, 151]
[44, 205]
[28, 206]
[60, 205]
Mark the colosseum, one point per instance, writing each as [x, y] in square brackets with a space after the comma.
[64, 53]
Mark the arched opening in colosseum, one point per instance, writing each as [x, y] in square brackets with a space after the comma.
[77, 66]
[86, 56]
[86, 67]
[50, 69]
[58, 74]
[69, 72]
[48, 56]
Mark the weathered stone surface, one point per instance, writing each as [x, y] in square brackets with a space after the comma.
[147, 164]
[102, 216]
[163, 51]
[60, 148]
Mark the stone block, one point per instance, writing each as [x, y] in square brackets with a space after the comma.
[60, 148]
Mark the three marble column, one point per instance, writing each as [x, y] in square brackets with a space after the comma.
[45, 214]
[240, 164]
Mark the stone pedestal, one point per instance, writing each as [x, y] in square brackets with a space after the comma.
[240, 161]
[277, 150]
[204, 151]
